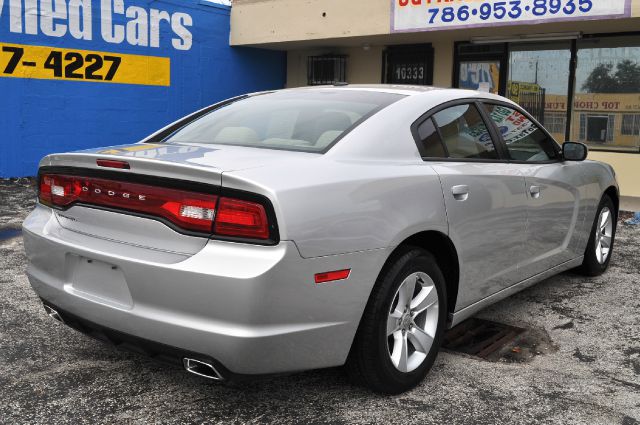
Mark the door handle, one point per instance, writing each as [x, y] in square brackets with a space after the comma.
[460, 192]
[535, 192]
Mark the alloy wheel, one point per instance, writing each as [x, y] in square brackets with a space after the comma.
[412, 322]
[604, 235]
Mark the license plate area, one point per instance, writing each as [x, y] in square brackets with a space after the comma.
[98, 281]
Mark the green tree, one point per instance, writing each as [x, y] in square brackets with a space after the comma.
[628, 77]
[602, 79]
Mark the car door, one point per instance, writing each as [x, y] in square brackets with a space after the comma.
[553, 190]
[484, 197]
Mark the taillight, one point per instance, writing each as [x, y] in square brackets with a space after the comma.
[241, 219]
[44, 189]
[195, 211]
[59, 190]
[188, 210]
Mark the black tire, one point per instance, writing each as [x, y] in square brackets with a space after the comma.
[590, 265]
[369, 362]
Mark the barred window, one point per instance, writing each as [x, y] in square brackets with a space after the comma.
[555, 122]
[327, 69]
[630, 125]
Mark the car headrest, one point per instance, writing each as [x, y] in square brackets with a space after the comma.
[236, 135]
[333, 121]
[327, 138]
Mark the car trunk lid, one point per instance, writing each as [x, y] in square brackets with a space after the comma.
[196, 169]
[147, 167]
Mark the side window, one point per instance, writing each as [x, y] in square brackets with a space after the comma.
[525, 141]
[464, 133]
[431, 143]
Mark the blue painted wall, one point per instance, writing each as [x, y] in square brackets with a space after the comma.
[38, 116]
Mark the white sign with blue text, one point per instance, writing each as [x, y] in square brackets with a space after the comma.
[428, 15]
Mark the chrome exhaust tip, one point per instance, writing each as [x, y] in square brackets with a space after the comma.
[201, 368]
[52, 313]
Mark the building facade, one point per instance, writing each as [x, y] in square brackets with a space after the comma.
[573, 64]
[77, 74]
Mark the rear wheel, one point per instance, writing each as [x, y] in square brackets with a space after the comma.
[401, 329]
[600, 246]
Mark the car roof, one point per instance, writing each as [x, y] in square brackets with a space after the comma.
[404, 90]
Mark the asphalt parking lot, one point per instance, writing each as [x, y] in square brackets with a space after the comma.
[582, 364]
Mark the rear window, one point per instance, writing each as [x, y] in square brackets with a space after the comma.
[301, 120]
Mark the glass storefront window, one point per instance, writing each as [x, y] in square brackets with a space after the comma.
[538, 80]
[606, 107]
[604, 111]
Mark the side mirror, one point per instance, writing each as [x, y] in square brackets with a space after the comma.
[573, 151]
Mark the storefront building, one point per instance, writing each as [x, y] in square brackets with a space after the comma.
[573, 64]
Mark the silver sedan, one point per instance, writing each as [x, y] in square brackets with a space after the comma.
[315, 227]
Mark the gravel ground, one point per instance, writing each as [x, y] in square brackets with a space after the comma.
[583, 365]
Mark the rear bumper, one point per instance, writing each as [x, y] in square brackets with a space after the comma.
[254, 309]
[164, 353]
